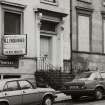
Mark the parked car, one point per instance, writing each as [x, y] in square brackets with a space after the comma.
[23, 92]
[91, 83]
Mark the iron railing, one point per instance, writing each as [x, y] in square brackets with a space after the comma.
[42, 63]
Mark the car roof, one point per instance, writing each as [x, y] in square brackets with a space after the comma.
[3, 81]
[92, 71]
[12, 79]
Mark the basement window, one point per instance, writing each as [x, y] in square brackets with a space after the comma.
[49, 1]
[11, 76]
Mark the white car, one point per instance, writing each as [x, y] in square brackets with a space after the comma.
[23, 92]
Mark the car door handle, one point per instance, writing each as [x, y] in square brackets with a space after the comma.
[5, 94]
[24, 92]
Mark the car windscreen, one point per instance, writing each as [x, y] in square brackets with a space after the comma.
[82, 75]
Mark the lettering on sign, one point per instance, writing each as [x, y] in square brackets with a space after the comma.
[14, 40]
[8, 62]
[14, 44]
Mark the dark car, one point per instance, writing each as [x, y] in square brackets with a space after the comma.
[91, 83]
[23, 92]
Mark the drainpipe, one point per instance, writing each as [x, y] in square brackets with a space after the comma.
[71, 71]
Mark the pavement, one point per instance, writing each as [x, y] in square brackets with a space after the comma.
[62, 97]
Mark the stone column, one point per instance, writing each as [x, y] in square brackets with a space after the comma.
[60, 30]
[38, 16]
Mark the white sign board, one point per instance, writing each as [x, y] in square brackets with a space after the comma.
[14, 44]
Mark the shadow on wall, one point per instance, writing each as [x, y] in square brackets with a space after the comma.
[82, 62]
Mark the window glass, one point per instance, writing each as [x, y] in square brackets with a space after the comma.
[103, 75]
[98, 75]
[104, 33]
[25, 85]
[11, 86]
[48, 26]
[53, 1]
[83, 33]
[82, 75]
[12, 23]
[11, 76]
[95, 75]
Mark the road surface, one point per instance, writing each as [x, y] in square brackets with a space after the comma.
[82, 102]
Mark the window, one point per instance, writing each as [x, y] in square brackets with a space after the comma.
[49, 1]
[83, 33]
[86, 1]
[12, 17]
[11, 86]
[103, 75]
[53, 1]
[12, 23]
[83, 38]
[104, 33]
[48, 26]
[25, 85]
[11, 76]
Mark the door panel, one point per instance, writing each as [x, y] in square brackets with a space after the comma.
[29, 94]
[45, 47]
[14, 97]
[13, 93]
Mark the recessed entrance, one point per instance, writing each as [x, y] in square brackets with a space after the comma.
[45, 47]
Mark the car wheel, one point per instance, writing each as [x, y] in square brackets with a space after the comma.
[98, 94]
[47, 101]
[75, 98]
[3, 103]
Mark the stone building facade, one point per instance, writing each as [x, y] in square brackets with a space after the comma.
[88, 34]
[46, 24]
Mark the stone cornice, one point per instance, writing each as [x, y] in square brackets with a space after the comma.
[3, 2]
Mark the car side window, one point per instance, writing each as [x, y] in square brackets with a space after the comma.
[25, 85]
[99, 76]
[103, 75]
[11, 86]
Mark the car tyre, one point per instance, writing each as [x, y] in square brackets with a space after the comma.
[98, 94]
[75, 98]
[3, 103]
[47, 101]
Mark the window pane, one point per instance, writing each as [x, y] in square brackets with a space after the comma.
[11, 86]
[83, 33]
[104, 35]
[53, 1]
[11, 23]
[48, 26]
[25, 85]
[103, 75]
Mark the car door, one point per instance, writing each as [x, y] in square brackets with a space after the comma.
[13, 93]
[30, 94]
